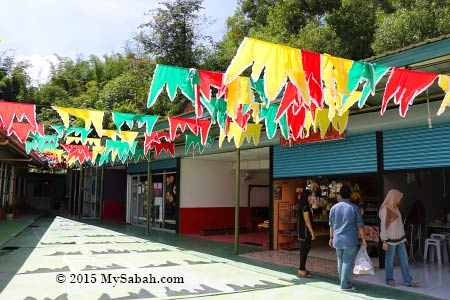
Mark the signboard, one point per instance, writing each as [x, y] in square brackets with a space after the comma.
[313, 138]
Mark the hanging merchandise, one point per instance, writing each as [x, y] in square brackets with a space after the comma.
[173, 78]
[9, 110]
[94, 117]
[444, 83]
[120, 118]
[280, 63]
[404, 86]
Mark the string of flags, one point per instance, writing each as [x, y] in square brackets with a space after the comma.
[299, 92]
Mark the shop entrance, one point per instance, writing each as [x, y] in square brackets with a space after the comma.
[323, 188]
[163, 212]
[208, 186]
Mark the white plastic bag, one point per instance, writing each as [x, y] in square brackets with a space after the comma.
[363, 264]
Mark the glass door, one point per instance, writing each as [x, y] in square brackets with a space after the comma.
[142, 200]
[170, 202]
[157, 211]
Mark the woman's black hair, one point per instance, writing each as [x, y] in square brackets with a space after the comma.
[304, 198]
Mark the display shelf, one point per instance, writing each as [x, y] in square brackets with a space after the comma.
[287, 226]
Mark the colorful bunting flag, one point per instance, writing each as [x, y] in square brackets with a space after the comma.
[9, 110]
[404, 86]
[173, 78]
[444, 83]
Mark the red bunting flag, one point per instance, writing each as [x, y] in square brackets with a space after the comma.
[9, 110]
[312, 69]
[154, 138]
[404, 86]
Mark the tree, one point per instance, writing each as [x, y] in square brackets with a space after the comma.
[172, 35]
[412, 22]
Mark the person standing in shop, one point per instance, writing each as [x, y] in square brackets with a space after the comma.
[392, 233]
[345, 222]
[305, 231]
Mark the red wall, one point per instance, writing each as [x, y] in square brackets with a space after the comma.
[114, 211]
[194, 220]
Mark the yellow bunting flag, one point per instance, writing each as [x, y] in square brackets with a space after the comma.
[96, 151]
[110, 133]
[239, 92]
[94, 117]
[128, 136]
[340, 122]
[280, 62]
[322, 122]
[93, 141]
[253, 131]
[73, 139]
[444, 83]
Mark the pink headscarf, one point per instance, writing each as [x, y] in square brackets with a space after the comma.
[391, 201]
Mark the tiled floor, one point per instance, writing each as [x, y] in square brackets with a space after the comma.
[94, 250]
[435, 279]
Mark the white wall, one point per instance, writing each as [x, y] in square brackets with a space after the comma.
[259, 196]
[210, 183]
[206, 183]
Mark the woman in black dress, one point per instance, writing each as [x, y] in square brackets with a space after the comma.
[305, 231]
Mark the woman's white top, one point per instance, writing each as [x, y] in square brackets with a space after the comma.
[395, 233]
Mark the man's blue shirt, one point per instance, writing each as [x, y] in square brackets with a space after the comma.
[345, 217]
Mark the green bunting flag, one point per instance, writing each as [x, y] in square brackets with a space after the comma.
[196, 141]
[173, 78]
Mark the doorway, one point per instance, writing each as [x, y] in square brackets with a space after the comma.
[164, 201]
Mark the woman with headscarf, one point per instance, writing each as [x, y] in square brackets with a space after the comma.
[305, 231]
[392, 234]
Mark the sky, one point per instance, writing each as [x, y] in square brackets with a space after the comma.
[35, 30]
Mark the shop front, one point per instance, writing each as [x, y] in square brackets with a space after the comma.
[321, 168]
[164, 209]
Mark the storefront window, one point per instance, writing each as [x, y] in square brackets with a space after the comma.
[164, 201]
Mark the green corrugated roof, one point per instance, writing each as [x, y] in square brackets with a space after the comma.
[416, 53]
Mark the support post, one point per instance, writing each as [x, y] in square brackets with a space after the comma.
[101, 192]
[80, 191]
[149, 195]
[237, 200]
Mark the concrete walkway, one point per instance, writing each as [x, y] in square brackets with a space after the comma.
[64, 259]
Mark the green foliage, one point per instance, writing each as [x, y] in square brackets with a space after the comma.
[352, 29]
[172, 34]
[413, 22]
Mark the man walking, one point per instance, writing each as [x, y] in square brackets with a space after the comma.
[345, 222]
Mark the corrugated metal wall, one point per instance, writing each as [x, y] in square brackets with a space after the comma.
[163, 164]
[355, 154]
[419, 147]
